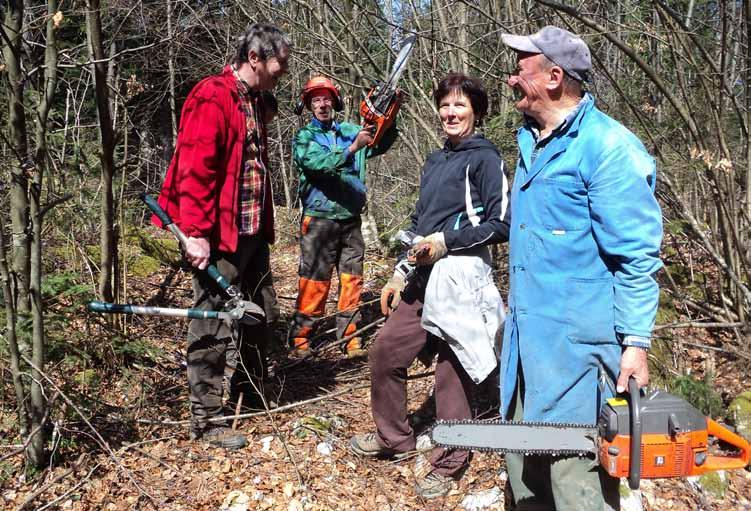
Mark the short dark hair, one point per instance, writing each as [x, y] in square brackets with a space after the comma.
[467, 85]
[263, 39]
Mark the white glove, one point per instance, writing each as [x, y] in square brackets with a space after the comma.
[391, 294]
[430, 249]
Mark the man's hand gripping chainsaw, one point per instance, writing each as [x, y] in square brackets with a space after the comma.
[380, 106]
[235, 309]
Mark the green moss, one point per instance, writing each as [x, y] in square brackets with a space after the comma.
[677, 227]
[87, 377]
[164, 250]
[740, 411]
[714, 483]
[699, 393]
[143, 266]
[666, 312]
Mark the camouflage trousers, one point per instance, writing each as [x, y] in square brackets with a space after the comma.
[211, 342]
[557, 483]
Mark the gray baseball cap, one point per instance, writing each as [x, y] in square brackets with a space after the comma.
[565, 49]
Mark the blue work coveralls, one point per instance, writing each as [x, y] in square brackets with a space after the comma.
[584, 248]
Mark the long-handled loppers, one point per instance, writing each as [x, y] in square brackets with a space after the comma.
[235, 309]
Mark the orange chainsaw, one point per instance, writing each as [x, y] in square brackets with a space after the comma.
[380, 106]
[656, 437]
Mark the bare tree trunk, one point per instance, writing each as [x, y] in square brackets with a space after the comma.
[19, 211]
[747, 237]
[10, 336]
[35, 450]
[106, 134]
[283, 169]
[171, 66]
[446, 36]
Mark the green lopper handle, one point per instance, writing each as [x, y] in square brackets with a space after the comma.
[109, 308]
[218, 277]
[156, 209]
[167, 221]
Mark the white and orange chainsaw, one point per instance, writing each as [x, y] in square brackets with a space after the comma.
[381, 104]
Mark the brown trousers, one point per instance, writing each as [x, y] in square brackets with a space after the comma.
[396, 347]
[208, 340]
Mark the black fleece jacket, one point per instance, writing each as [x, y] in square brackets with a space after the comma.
[465, 195]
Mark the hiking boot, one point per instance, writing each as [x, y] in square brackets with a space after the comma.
[434, 485]
[355, 349]
[367, 445]
[300, 348]
[222, 436]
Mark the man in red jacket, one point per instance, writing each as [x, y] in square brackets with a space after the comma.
[218, 191]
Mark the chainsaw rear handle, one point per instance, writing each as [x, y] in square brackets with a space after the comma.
[183, 239]
[715, 462]
[634, 469]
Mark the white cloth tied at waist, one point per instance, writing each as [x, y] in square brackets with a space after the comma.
[464, 308]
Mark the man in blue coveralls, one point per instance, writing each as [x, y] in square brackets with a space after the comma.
[584, 248]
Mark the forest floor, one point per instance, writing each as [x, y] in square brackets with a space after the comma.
[296, 459]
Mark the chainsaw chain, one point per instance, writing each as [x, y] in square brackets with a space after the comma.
[551, 452]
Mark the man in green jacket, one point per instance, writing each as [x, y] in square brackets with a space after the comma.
[330, 157]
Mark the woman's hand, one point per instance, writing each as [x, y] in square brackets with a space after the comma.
[391, 294]
[430, 249]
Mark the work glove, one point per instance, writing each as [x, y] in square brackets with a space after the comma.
[391, 294]
[430, 249]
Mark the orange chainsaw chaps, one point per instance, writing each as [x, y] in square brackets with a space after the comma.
[684, 454]
[381, 122]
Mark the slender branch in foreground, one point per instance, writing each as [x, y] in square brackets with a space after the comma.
[284, 408]
[101, 441]
[698, 324]
[258, 414]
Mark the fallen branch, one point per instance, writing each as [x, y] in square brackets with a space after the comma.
[51, 482]
[42, 423]
[257, 414]
[696, 324]
[284, 408]
[323, 348]
[65, 495]
[101, 441]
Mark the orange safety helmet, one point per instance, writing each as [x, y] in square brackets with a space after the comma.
[318, 83]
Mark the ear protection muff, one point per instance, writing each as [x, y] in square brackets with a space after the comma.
[318, 83]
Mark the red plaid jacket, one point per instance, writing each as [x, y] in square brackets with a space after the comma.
[200, 190]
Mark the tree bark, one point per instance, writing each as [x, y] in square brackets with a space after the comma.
[19, 211]
[107, 138]
[35, 450]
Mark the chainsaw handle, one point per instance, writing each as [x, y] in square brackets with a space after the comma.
[715, 462]
[634, 469]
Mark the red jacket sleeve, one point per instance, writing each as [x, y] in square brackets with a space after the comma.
[200, 161]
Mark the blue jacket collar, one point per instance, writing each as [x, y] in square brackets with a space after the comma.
[527, 140]
[570, 123]
[333, 126]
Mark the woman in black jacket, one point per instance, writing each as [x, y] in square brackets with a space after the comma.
[463, 204]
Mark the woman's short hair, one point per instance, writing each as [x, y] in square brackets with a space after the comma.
[263, 39]
[467, 85]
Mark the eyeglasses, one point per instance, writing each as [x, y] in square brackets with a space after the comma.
[321, 100]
